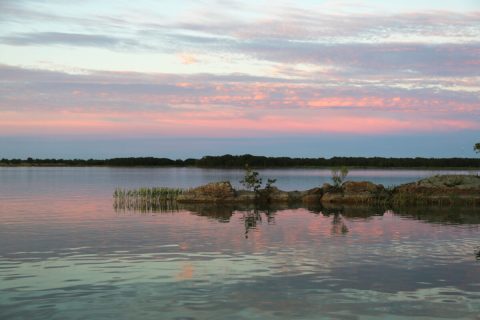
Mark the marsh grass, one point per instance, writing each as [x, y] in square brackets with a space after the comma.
[146, 199]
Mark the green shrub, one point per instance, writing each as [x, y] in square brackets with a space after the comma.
[338, 176]
[251, 180]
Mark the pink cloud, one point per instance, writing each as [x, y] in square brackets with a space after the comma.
[224, 123]
[198, 106]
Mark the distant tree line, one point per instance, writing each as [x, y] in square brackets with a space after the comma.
[230, 161]
[240, 161]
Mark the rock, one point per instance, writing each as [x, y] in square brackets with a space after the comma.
[354, 187]
[245, 196]
[314, 191]
[212, 192]
[296, 196]
[451, 181]
[273, 194]
[434, 189]
[312, 196]
[327, 187]
[355, 192]
[277, 195]
[332, 197]
[450, 189]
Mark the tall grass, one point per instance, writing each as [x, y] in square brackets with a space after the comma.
[146, 199]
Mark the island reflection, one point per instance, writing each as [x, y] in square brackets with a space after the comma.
[252, 215]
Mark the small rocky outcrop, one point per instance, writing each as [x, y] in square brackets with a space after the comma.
[212, 192]
[312, 196]
[450, 189]
[354, 192]
[438, 189]
[245, 196]
[273, 194]
[450, 181]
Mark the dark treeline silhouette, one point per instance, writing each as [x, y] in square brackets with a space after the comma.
[231, 161]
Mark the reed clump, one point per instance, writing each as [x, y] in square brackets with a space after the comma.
[146, 199]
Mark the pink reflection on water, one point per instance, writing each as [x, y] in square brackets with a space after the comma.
[41, 217]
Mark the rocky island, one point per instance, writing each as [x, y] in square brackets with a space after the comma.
[443, 189]
[436, 190]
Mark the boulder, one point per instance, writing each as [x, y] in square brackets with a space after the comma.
[276, 195]
[245, 196]
[327, 187]
[355, 192]
[212, 192]
[332, 197]
[312, 196]
[364, 187]
[273, 194]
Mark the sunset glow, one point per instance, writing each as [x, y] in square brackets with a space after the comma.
[346, 71]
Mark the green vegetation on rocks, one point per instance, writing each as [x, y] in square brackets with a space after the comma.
[338, 176]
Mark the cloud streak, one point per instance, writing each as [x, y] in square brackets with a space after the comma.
[72, 39]
[128, 90]
[202, 105]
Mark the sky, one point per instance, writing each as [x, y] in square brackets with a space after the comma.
[184, 78]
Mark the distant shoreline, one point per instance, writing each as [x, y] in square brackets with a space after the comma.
[232, 168]
[240, 161]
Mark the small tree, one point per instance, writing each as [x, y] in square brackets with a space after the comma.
[338, 176]
[251, 180]
[267, 192]
[269, 184]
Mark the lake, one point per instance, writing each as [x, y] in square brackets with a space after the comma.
[65, 253]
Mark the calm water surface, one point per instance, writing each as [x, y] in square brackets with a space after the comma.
[66, 254]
